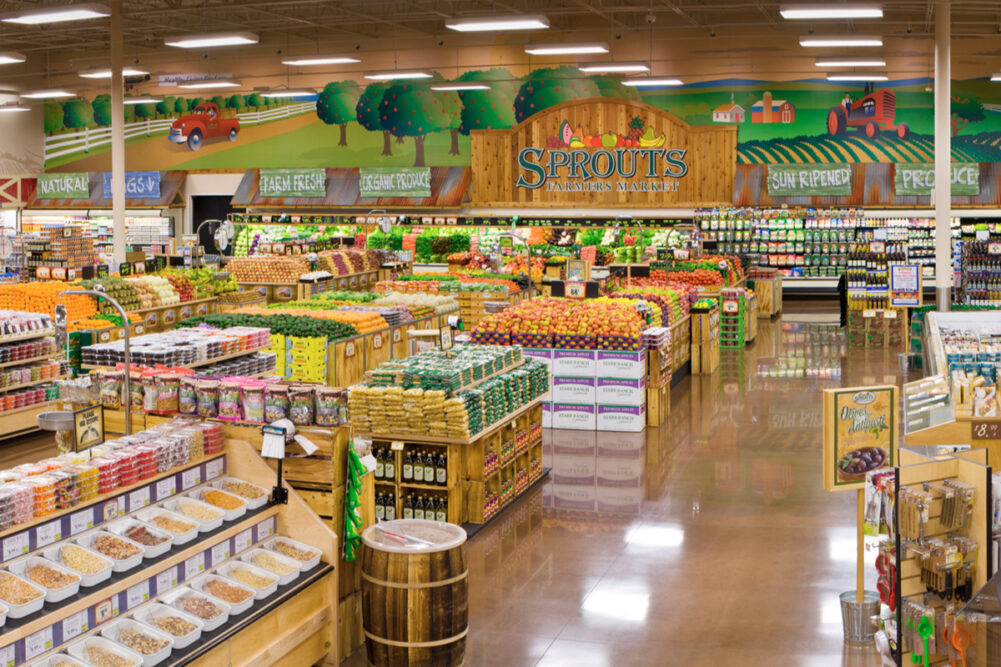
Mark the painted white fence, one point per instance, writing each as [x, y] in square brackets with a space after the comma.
[88, 138]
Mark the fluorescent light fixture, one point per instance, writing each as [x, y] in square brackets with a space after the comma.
[850, 62]
[210, 83]
[831, 11]
[650, 81]
[397, 74]
[996, 77]
[497, 23]
[858, 76]
[566, 48]
[8, 108]
[10, 57]
[615, 67]
[211, 39]
[328, 59]
[50, 94]
[472, 85]
[57, 14]
[141, 99]
[288, 92]
[106, 73]
[840, 40]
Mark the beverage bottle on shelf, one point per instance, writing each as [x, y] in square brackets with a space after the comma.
[441, 472]
[418, 468]
[419, 508]
[380, 507]
[429, 468]
[389, 502]
[408, 507]
[441, 510]
[408, 466]
[379, 464]
[389, 465]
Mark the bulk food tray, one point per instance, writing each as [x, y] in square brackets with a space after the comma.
[20, 568]
[54, 554]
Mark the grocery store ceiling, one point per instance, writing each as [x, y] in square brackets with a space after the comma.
[688, 38]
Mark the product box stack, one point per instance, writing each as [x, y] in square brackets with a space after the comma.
[602, 390]
[60, 253]
[149, 235]
[591, 474]
[305, 359]
[733, 317]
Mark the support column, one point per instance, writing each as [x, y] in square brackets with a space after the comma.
[117, 134]
[943, 156]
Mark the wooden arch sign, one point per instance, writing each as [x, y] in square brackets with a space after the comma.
[604, 152]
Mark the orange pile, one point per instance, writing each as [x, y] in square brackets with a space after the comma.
[42, 297]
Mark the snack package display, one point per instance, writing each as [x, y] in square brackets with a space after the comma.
[207, 392]
[187, 396]
[301, 404]
[253, 402]
[229, 401]
[276, 404]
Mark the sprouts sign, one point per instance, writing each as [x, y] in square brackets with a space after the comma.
[581, 170]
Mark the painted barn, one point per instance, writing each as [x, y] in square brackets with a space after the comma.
[767, 110]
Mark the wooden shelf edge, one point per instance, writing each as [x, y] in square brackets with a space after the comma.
[33, 406]
[21, 362]
[31, 384]
[197, 364]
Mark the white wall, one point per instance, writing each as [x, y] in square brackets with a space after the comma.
[205, 184]
[21, 140]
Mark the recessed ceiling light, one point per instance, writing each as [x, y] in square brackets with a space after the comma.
[328, 59]
[566, 48]
[56, 14]
[106, 73]
[397, 74]
[831, 11]
[141, 99]
[841, 40]
[9, 108]
[10, 57]
[289, 92]
[615, 67]
[496, 23]
[47, 94]
[996, 77]
[649, 81]
[210, 83]
[211, 39]
[472, 85]
[850, 62]
[858, 76]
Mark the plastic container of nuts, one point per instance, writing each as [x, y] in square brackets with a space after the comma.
[3, 614]
[21, 597]
[123, 552]
[59, 660]
[92, 649]
[210, 611]
[255, 496]
[92, 567]
[170, 522]
[209, 518]
[58, 582]
[262, 582]
[283, 567]
[154, 646]
[156, 542]
[236, 595]
[232, 506]
[183, 628]
[305, 554]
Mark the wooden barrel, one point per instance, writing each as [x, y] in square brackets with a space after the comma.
[414, 596]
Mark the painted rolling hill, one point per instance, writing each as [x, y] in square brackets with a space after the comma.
[985, 147]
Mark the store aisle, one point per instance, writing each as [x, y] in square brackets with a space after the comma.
[709, 541]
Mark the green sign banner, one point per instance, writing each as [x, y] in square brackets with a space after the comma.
[919, 179]
[293, 183]
[64, 186]
[809, 180]
[395, 182]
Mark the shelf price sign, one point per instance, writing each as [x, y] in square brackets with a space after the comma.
[905, 285]
[860, 434]
[575, 290]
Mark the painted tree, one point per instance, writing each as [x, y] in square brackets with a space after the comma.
[491, 109]
[164, 107]
[53, 112]
[452, 108]
[77, 113]
[102, 110]
[367, 114]
[413, 110]
[237, 102]
[255, 100]
[552, 85]
[194, 102]
[129, 111]
[219, 101]
[180, 105]
[965, 110]
[612, 87]
[144, 111]
[336, 105]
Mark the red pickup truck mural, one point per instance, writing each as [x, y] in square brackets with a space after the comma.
[201, 124]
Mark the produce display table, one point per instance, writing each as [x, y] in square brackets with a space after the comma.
[279, 292]
[681, 344]
[658, 385]
[769, 291]
[162, 318]
[705, 342]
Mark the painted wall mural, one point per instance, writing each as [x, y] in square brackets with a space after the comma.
[348, 124]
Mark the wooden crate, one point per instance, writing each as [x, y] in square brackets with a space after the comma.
[327, 467]
[658, 405]
[114, 421]
[705, 358]
[751, 321]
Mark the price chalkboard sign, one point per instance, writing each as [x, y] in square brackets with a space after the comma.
[125, 269]
[986, 430]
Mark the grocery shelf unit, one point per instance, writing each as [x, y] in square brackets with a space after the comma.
[294, 626]
[516, 440]
[22, 420]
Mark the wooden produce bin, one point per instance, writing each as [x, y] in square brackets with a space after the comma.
[163, 318]
[681, 342]
[751, 322]
[658, 386]
[705, 342]
[769, 291]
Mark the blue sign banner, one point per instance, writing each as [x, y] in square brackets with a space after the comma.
[138, 185]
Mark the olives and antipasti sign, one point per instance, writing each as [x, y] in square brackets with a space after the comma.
[608, 152]
[860, 434]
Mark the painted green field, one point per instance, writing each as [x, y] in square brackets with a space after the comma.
[853, 147]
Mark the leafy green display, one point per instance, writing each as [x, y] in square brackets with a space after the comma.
[285, 325]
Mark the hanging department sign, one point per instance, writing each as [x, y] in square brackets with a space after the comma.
[646, 169]
[860, 434]
[64, 186]
[394, 182]
[919, 179]
[138, 185]
[815, 180]
[293, 183]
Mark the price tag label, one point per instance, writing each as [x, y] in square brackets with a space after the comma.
[194, 566]
[165, 488]
[139, 499]
[81, 521]
[349, 349]
[265, 528]
[7, 656]
[868, 313]
[986, 430]
[75, 625]
[15, 545]
[48, 533]
[190, 478]
[397, 446]
[166, 580]
[220, 552]
[983, 234]
[244, 540]
[137, 594]
[889, 314]
[994, 248]
[396, 335]
[575, 290]
[38, 643]
[213, 469]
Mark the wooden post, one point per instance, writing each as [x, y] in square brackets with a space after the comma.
[860, 548]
